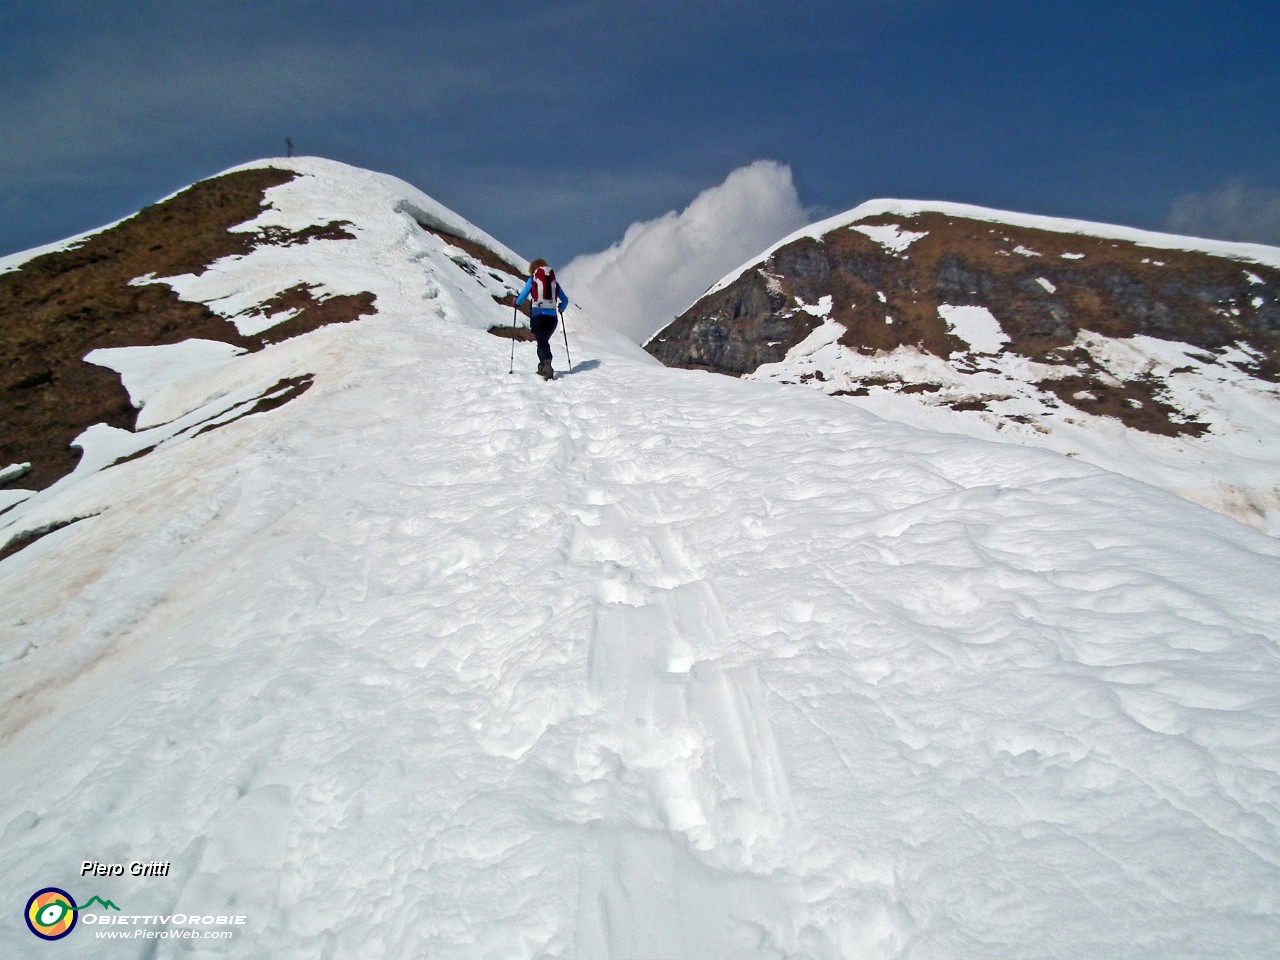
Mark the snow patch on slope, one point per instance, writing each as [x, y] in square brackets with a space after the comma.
[148, 372]
[976, 326]
[892, 237]
[820, 309]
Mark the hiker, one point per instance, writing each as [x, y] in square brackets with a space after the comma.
[546, 297]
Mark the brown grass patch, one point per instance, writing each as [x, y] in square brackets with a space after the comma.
[1135, 403]
[513, 333]
[313, 313]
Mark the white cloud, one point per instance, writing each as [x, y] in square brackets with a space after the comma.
[661, 266]
[1233, 212]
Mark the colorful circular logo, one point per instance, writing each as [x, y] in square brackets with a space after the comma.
[51, 913]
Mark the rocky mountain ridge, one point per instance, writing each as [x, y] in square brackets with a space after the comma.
[1020, 328]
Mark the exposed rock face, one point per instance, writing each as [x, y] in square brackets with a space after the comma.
[1025, 329]
[1044, 288]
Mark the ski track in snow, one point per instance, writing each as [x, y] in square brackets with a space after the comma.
[439, 662]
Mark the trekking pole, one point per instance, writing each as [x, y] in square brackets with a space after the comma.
[565, 331]
[514, 318]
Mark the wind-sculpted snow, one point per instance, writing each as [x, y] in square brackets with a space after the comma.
[439, 662]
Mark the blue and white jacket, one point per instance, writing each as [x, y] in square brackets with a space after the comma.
[544, 300]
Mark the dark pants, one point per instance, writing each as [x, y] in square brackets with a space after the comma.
[543, 327]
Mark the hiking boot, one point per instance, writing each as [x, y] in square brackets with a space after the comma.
[545, 371]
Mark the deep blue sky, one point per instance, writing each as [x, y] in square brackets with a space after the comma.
[554, 126]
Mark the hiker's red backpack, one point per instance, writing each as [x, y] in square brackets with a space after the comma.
[544, 294]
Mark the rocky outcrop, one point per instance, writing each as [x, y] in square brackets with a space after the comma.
[736, 330]
[889, 282]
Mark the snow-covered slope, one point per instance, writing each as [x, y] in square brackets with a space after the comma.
[383, 247]
[435, 661]
[1152, 355]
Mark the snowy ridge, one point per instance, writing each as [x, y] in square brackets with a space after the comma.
[183, 388]
[386, 214]
[1254, 252]
[360, 193]
[435, 661]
